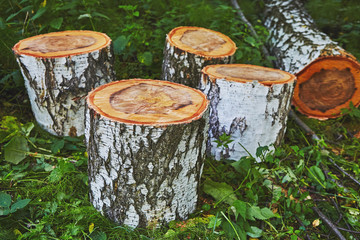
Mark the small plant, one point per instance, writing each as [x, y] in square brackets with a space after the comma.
[7, 206]
[352, 111]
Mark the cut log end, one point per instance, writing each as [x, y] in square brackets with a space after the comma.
[248, 73]
[326, 86]
[148, 102]
[61, 44]
[202, 42]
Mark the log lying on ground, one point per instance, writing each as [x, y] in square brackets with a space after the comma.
[189, 49]
[59, 69]
[250, 103]
[146, 141]
[328, 78]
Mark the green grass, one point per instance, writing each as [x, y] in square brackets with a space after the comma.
[273, 199]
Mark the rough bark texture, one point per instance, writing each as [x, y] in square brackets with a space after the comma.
[146, 141]
[184, 66]
[144, 175]
[57, 87]
[251, 112]
[294, 38]
[303, 50]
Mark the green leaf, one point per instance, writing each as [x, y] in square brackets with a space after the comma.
[15, 150]
[267, 213]
[5, 200]
[250, 40]
[243, 165]
[57, 146]
[315, 170]
[120, 44]
[39, 13]
[98, 235]
[240, 207]
[145, 58]
[86, 15]
[4, 211]
[56, 22]
[26, 128]
[214, 222]
[19, 204]
[220, 191]
[255, 232]
[254, 212]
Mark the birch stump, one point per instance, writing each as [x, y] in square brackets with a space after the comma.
[250, 103]
[146, 141]
[189, 49]
[59, 69]
[328, 78]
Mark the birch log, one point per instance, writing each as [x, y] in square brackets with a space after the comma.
[328, 78]
[250, 103]
[146, 142]
[59, 69]
[189, 49]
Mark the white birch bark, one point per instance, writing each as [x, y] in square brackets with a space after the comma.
[57, 87]
[294, 38]
[252, 113]
[184, 67]
[144, 175]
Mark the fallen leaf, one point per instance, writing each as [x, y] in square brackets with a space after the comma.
[316, 223]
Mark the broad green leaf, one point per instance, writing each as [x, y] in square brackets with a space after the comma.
[56, 22]
[5, 200]
[316, 171]
[214, 222]
[250, 40]
[220, 191]
[261, 150]
[255, 232]
[4, 211]
[98, 235]
[267, 213]
[19, 204]
[26, 128]
[57, 146]
[15, 150]
[233, 231]
[240, 207]
[120, 44]
[243, 165]
[255, 212]
[145, 58]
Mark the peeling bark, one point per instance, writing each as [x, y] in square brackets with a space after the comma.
[253, 112]
[57, 86]
[316, 60]
[183, 60]
[144, 175]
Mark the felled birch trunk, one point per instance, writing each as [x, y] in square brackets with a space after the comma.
[146, 142]
[59, 69]
[189, 49]
[328, 78]
[249, 103]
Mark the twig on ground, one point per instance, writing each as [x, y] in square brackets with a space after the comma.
[251, 28]
[308, 130]
[329, 223]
